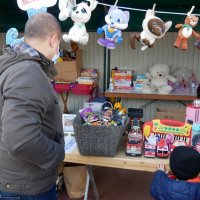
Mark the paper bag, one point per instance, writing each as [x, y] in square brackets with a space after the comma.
[75, 180]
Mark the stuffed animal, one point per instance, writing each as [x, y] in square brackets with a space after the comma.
[159, 78]
[32, 8]
[185, 77]
[186, 31]
[80, 14]
[153, 28]
[65, 7]
[116, 20]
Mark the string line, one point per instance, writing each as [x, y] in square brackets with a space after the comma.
[144, 10]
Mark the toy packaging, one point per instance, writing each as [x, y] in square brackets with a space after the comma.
[123, 79]
[192, 114]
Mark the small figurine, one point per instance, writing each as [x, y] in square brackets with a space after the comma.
[116, 20]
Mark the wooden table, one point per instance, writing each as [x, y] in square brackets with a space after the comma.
[119, 161]
[181, 95]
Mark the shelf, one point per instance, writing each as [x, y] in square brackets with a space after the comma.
[182, 95]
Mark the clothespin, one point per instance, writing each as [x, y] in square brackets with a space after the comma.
[115, 5]
[191, 10]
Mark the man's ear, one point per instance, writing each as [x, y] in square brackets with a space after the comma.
[53, 40]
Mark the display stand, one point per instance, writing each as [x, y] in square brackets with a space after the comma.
[78, 89]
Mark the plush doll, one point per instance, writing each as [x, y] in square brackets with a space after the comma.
[159, 78]
[153, 28]
[186, 31]
[116, 20]
[80, 14]
[32, 8]
[185, 77]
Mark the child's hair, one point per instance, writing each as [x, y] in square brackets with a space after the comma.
[185, 163]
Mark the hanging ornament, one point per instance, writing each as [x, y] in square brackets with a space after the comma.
[80, 15]
[116, 20]
[186, 30]
[153, 28]
[32, 8]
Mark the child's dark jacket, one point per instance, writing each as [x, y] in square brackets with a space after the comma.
[164, 188]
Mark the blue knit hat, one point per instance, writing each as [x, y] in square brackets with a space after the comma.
[185, 162]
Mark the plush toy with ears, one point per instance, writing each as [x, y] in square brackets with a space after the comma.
[80, 14]
[116, 20]
[159, 77]
[32, 8]
[153, 28]
[186, 31]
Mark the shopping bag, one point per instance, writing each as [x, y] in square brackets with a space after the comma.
[75, 180]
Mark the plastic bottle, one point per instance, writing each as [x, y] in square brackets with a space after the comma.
[193, 87]
[111, 85]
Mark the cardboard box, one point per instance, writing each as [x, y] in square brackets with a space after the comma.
[69, 70]
[171, 113]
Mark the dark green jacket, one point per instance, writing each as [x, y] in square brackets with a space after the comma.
[31, 134]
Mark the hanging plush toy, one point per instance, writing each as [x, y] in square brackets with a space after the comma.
[32, 8]
[80, 14]
[153, 28]
[186, 30]
[116, 20]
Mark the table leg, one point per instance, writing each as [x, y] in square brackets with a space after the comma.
[64, 100]
[87, 187]
[90, 177]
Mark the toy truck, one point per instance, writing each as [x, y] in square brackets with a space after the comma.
[162, 149]
[134, 144]
[149, 150]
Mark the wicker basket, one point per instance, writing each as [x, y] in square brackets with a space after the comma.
[98, 140]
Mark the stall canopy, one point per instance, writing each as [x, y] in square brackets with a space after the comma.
[12, 16]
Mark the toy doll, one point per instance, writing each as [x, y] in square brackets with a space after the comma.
[116, 20]
[186, 31]
[153, 28]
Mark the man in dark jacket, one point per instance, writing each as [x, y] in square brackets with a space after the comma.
[185, 166]
[31, 144]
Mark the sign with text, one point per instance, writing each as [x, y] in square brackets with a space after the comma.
[35, 4]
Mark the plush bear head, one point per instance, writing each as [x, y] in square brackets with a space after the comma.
[159, 77]
[159, 70]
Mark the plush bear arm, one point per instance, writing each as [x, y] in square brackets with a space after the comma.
[178, 25]
[171, 78]
[148, 75]
[195, 34]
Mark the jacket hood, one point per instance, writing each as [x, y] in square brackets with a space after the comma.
[11, 57]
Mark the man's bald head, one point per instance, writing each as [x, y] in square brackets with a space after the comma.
[41, 26]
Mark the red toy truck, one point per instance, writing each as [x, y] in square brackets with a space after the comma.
[149, 150]
[162, 149]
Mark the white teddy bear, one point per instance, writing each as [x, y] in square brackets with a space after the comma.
[159, 78]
